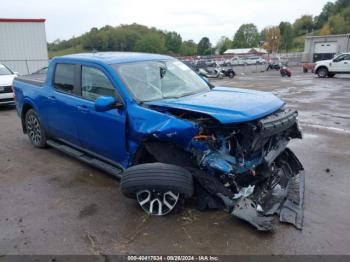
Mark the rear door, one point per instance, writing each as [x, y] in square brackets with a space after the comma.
[100, 132]
[59, 107]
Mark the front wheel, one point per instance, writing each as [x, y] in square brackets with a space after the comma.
[35, 130]
[157, 187]
[322, 72]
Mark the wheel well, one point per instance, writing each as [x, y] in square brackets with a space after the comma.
[164, 152]
[321, 67]
[25, 109]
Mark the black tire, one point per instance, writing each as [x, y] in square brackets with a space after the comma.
[322, 72]
[305, 70]
[35, 130]
[231, 75]
[156, 176]
[331, 75]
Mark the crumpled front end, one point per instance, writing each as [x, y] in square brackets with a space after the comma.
[248, 169]
[244, 168]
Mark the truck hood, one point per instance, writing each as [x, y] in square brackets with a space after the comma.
[323, 62]
[6, 80]
[227, 105]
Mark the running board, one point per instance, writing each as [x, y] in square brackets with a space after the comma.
[91, 160]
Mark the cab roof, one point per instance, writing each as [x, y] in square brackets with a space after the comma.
[116, 57]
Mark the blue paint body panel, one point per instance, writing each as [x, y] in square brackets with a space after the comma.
[117, 134]
[227, 105]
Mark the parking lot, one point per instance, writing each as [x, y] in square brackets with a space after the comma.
[53, 204]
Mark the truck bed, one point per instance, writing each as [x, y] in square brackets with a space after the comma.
[33, 79]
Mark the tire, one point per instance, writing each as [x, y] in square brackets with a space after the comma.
[322, 72]
[35, 130]
[331, 75]
[305, 70]
[157, 187]
[231, 75]
[156, 176]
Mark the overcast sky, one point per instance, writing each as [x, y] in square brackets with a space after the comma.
[193, 19]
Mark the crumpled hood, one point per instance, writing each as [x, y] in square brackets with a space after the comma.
[6, 80]
[227, 105]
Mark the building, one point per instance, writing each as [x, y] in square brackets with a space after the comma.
[245, 51]
[23, 46]
[318, 48]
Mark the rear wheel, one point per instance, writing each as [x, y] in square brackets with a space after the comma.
[231, 75]
[157, 187]
[35, 131]
[322, 72]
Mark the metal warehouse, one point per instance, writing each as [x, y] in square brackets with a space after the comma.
[325, 47]
[23, 46]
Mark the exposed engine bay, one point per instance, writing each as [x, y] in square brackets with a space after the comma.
[244, 168]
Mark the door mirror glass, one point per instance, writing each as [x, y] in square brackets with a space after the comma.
[105, 103]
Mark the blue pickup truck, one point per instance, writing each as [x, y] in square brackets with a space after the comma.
[168, 134]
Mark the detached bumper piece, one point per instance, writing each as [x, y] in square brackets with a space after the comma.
[282, 194]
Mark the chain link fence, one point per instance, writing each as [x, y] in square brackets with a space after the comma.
[24, 67]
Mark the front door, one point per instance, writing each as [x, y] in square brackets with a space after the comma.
[341, 63]
[100, 132]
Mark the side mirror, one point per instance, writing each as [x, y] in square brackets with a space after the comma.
[105, 103]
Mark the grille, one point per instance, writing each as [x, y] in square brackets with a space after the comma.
[5, 89]
[6, 100]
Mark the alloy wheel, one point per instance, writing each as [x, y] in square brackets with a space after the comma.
[157, 203]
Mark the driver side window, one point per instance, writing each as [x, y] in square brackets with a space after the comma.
[94, 83]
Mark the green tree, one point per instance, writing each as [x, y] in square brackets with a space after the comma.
[303, 25]
[95, 39]
[338, 25]
[188, 48]
[340, 5]
[287, 35]
[173, 42]
[327, 11]
[272, 38]
[204, 46]
[246, 36]
[223, 44]
[150, 43]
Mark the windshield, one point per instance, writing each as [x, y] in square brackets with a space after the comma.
[4, 70]
[154, 80]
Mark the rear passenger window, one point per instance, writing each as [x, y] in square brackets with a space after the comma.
[94, 83]
[64, 78]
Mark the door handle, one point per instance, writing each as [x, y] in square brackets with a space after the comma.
[52, 99]
[83, 109]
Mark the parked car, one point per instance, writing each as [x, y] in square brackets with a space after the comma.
[237, 61]
[6, 78]
[155, 124]
[253, 60]
[340, 64]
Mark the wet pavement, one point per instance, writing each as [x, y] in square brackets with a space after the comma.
[53, 204]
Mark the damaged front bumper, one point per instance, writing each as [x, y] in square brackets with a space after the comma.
[283, 197]
[256, 188]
